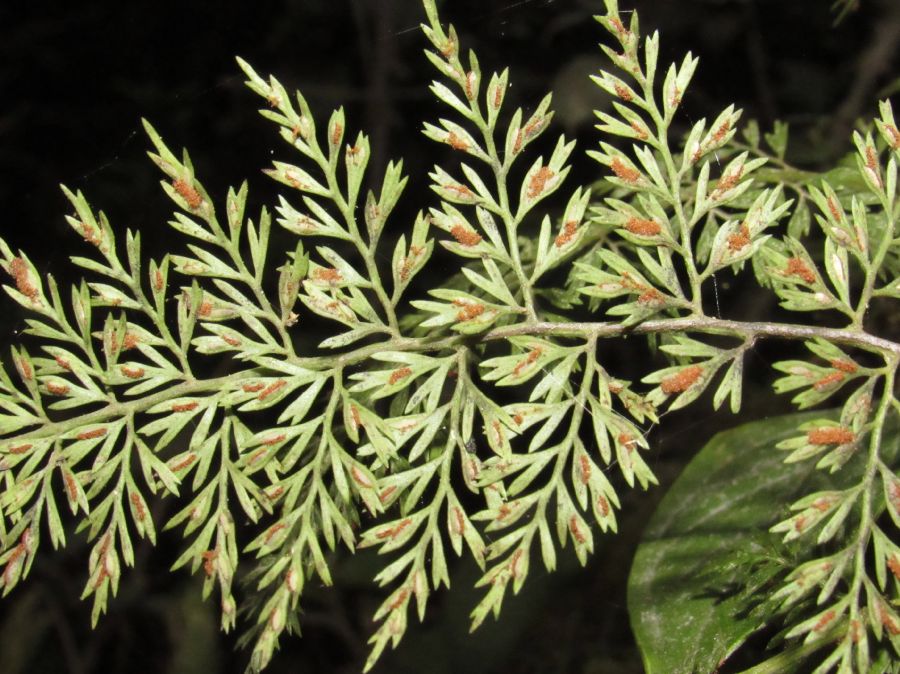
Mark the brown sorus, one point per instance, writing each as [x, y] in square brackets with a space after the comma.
[393, 532]
[408, 261]
[400, 600]
[847, 366]
[833, 208]
[327, 275]
[830, 435]
[209, 562]
[187, 192]
[569, 231]
[538, 182]
[728, 181]
[893, 563]
[185, 462]
[797, 267]
[739, 240]
[465, 236]
[272, 388]
[354, 414]
[577, 533]
[828, 380]
[826, 618]
[138, 504]
[720, 132]
[530, 358]
[603, 505]
[90, 234]
[624, 172]
[585, 466]
[642, 227]
[459, 522]
[274, 529]
[468, 310]
[57, 388]
[640, 130]
[91, 434]
[71, 487]
[514, 563]
[130, 341]
[18, 269]
[456, 142]
[132, 372]
[398, 374]
[470, 85]
[681, 381]
[360, 478]
[622, 92]
[462, 191]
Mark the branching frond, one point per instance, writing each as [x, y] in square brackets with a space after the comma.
[484, 419]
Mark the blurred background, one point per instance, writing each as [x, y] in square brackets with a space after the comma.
[77, 77]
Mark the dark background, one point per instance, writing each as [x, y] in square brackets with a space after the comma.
[77, 77]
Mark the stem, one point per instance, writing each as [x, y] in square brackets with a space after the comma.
[875, 265]
[500, 170]
[565, 450]
[250, 280]
[748, 330]
[55, 313]
[661, 142]
[512, 226]
[873, 460]
[796, 176]
[703, 324]
[152, 312]
[125, 409]
[446, 464]
[367, 252]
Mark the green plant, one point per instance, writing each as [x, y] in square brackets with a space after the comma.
[842, 8]
[488, 403]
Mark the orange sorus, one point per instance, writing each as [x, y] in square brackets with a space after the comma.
[830, 435]
[681, 381]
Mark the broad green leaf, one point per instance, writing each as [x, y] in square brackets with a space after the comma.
[687, 592]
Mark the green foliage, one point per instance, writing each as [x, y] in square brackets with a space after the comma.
[842, 8]
[699, 584]
[482, 421]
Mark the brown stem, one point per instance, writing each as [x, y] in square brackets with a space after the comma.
[847, 337]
